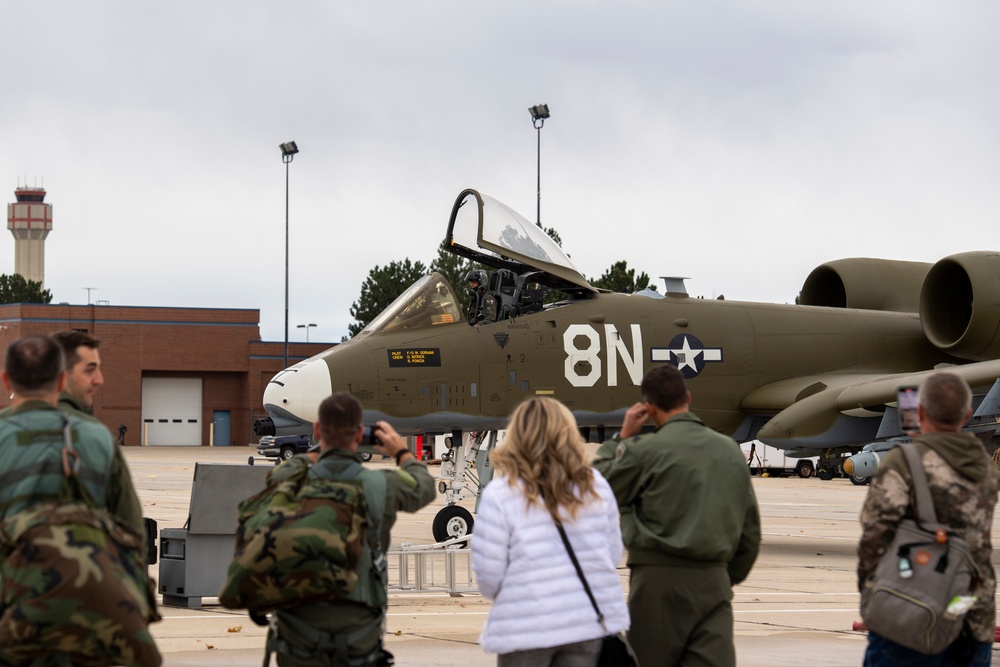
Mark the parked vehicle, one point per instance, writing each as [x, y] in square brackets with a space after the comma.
[283, 447]
[761, 459]
[286, 446]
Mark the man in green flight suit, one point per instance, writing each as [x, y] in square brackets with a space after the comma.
[689, 522]
[319, 635]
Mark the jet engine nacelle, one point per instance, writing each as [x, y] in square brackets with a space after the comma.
[870, 284]
[960, 305]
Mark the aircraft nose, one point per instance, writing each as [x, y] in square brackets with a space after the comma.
[292, 397]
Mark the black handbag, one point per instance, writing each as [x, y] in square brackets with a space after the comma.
[615, 649]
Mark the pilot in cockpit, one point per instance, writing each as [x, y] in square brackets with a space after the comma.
[482, 304]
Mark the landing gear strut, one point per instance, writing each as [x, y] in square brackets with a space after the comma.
[465, 471]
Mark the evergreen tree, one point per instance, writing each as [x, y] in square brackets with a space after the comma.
[15, 289]
[620, 278]
[554, 235]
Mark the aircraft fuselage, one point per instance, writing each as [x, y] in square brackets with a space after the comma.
[591, 354]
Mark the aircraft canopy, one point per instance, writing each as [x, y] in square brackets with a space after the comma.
[428, 302]
[488, 231]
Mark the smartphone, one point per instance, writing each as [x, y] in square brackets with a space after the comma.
[907, 400]
[369, 438]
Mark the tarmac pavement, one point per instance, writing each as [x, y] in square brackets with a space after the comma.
[796, 607]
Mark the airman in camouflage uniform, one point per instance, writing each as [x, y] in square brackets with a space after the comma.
[83, 378]
[41, 622]
[963, 483]
[348, 633]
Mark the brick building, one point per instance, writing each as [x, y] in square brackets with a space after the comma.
[172, 376]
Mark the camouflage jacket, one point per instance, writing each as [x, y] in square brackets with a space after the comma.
[120, 485]
[408, 487]
[963, 482]
[97, 451]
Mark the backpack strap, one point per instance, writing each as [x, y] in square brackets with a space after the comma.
[921, 489]
[73, 489]
[374, 496]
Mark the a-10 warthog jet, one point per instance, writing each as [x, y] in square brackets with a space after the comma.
[815, 378]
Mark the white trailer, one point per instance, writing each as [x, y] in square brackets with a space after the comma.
[772, 461]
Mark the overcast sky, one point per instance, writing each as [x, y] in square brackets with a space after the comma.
[738, 143]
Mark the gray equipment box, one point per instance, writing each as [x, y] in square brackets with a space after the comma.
[194, 559]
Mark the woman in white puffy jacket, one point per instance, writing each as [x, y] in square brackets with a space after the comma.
[541, 614]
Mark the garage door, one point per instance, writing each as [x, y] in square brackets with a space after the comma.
[171, 411]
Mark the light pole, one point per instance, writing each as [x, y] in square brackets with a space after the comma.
[288, 151]
[539, 113]
[307, 327]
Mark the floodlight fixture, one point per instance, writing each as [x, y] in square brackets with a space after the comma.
[288, 150]
[539, 113]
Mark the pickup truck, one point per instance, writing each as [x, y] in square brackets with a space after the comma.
[283, 447]
[286, 446]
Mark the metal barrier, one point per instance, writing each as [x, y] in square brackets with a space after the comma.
[445, 567]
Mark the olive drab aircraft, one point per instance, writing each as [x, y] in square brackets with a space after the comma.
[817, 378]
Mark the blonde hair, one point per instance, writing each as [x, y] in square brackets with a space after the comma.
[543, 449]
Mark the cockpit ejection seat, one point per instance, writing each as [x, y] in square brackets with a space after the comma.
[513, 296]
[503, 285]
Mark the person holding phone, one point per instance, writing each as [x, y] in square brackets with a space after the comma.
[310, 635]
[964, 484]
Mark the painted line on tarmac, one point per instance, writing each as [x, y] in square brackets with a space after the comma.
[438, 613]
[221, 617]
[853, 610]
[228, 618]
[811, 537]
[793, 593]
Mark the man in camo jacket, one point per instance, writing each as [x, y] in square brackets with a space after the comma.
[963, 482]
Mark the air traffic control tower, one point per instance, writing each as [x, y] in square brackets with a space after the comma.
[30, 221]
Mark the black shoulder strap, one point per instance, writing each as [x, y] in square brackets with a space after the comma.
[579, 573]
[921, 489]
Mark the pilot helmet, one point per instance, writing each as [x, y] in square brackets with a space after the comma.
[476, 276]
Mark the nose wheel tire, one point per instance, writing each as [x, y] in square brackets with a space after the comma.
[451, 522]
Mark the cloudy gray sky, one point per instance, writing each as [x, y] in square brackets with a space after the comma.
[738, 143]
